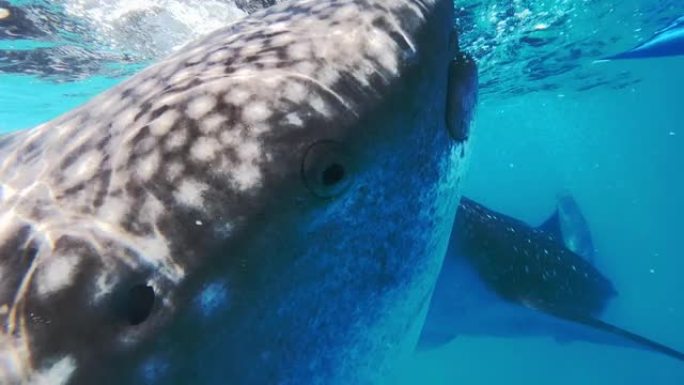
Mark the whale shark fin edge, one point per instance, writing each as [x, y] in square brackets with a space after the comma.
[677, 23]
[623, 333]
[552, 225]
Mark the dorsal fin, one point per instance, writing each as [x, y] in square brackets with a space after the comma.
[568, 224]
[552, 225]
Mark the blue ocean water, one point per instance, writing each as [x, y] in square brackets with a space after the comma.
[549, 120]
[619, 152]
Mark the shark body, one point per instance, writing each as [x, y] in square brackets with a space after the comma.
[504, 278]
[270, 205]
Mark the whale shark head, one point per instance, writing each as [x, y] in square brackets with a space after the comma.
[270, 205]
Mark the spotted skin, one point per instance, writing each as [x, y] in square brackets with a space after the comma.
[181, 227]
[528, 265]
[504, 278]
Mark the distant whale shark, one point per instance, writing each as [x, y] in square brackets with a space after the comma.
[666, 42]
[270, 205]
[504, 278]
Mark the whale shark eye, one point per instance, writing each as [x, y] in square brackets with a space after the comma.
[139, 304]
[327, 169]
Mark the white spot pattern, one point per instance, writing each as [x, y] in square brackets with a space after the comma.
[56, 273]
[111, 129]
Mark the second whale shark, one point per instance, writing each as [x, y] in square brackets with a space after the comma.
[504, 278]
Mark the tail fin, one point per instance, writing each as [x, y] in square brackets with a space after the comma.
[634, 338]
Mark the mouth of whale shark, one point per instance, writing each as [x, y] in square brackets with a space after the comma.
[245, 210]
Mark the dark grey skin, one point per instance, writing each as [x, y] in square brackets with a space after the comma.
[502, 277]
[270, 205]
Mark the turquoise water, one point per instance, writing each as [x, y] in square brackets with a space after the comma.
[621, 154]
[550, 120]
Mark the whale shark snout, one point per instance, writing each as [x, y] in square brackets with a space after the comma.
[244, 211]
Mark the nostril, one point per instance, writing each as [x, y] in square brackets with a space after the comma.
[139, 304]
[462, 87]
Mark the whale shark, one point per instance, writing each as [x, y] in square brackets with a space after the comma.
[504, 278]
[269, 205]
[668, 41]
